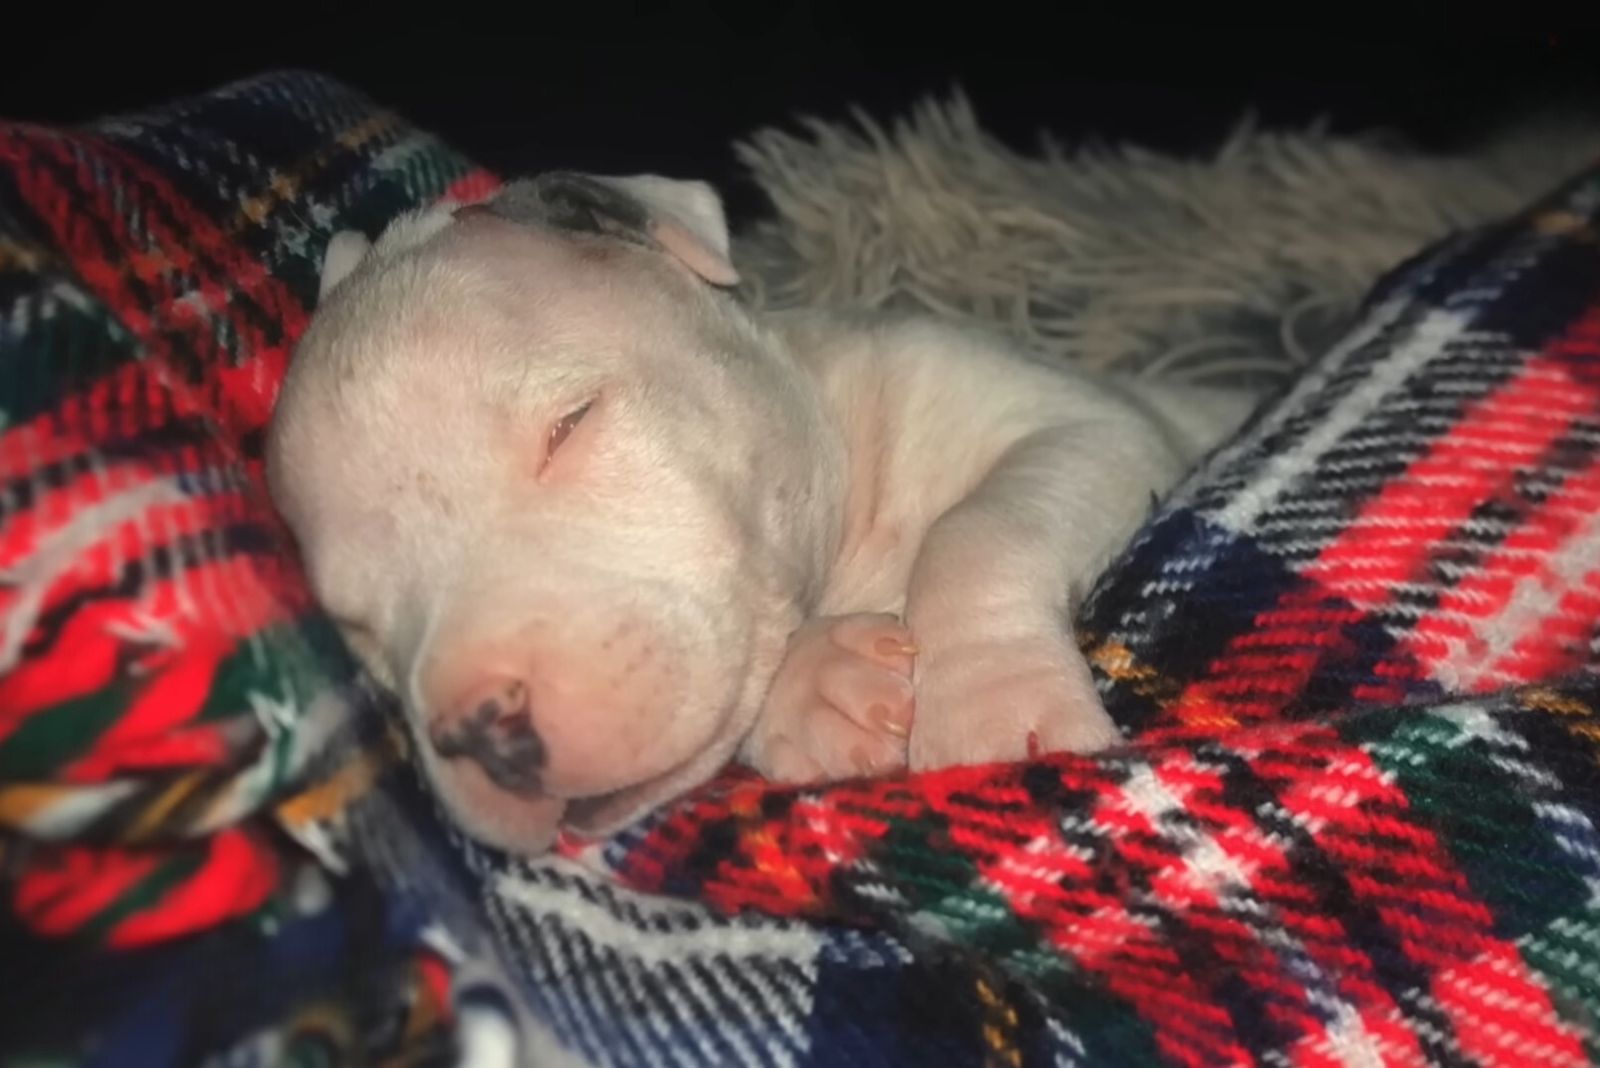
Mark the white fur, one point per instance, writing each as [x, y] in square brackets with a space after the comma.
[344, 253]
[739, 483]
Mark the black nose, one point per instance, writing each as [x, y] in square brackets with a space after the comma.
[500, 737]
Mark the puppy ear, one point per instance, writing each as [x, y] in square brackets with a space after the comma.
[688, 220]
[345, 250]
[682, 218]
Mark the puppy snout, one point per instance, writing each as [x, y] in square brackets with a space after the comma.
[492, 725]
[537, 713]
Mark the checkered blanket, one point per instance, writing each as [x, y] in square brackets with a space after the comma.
[1355, 822]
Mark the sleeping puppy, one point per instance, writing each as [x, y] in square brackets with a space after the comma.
[603, 528]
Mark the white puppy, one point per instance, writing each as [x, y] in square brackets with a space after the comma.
[603, 528]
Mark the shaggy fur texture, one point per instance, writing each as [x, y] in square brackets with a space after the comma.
[1240, 266]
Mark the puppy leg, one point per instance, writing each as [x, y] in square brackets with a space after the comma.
[841, 704]
[999, 576]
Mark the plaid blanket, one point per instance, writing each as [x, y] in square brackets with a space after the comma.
[1355, 822]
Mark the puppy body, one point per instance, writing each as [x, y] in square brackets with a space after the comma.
[603, 528]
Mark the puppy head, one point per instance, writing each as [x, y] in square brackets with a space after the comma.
[545, 476]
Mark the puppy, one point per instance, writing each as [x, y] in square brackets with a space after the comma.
[604, 529]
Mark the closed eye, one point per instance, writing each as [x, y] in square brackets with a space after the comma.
[564, 427]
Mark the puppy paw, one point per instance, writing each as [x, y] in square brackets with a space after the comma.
[841, 705]
[992, 700]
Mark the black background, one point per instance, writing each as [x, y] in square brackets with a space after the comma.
[669, 87]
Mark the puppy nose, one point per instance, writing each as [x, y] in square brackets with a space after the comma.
[492, 725]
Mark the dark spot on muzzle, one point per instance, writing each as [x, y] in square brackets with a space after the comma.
[500, 740]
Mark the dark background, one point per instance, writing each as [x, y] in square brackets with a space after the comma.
[669, 87]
